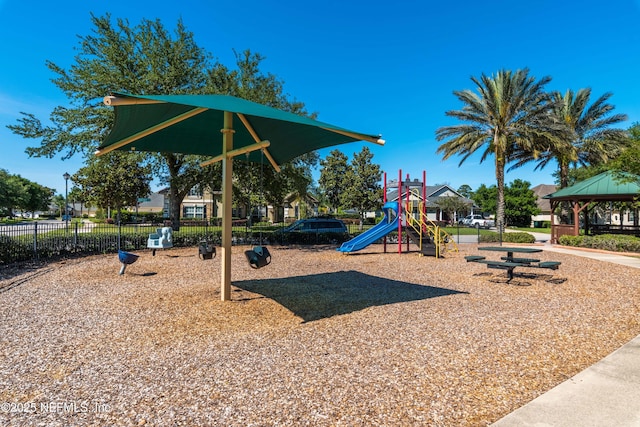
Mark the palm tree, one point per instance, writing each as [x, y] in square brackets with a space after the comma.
[59, 201]
[590, 140]
[508, 116]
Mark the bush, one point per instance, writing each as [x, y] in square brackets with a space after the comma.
[12, 250]
[607, 242]
[541, 224]
[296, 238]
[507, 237]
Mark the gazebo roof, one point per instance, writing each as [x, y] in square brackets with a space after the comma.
[604, 186]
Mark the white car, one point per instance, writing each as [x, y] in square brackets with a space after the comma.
[478, 221]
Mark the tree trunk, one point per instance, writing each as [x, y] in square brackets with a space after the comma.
[564, 175]
[174, 208]
[173, 165]
[564, 183]
[500, 163]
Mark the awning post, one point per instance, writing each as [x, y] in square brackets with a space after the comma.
[227, 189]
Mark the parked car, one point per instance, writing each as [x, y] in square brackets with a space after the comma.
[478, 221]
[317, 225]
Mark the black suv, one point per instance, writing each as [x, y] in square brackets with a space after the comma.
[317, 225]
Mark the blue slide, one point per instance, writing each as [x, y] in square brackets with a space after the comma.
[381, 229]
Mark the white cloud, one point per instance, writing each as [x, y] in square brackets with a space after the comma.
[11, 106]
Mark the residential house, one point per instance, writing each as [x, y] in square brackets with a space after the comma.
[153, 203]
[200, 204]
[295, 207]
[543, 204]
[433, 194]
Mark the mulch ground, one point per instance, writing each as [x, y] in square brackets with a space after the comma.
[315, 338]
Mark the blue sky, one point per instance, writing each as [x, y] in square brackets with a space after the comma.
[371, 66]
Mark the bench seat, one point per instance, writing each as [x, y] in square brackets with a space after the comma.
[549, 264]
[521, 260]
[498, 264]
[474, 258]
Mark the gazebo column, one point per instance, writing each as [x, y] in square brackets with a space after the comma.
[554, 238]
[575, 207]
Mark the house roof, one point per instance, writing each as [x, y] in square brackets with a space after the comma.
[156, 201]
[433, 192]
[542, 190]
[604, 186]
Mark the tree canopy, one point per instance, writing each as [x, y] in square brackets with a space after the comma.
[629, 159]
[508, 115]
[520, 202]
[18, 193]
[452, 205]
[363, 191]
[465, 190]
[147, 59]
[113, 180]
[354, 185]
[589, 139]
[333, 177]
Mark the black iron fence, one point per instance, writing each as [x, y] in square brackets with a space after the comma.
[42, 240]
[45, 240]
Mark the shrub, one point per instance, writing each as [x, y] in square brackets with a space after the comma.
[296, 238]
[12, 250]
[507, 237]
[607, 242]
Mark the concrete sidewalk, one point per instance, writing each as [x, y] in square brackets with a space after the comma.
[605, 394]
[629, 261]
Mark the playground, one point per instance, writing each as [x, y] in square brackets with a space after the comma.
[314, 338]
[407, 215]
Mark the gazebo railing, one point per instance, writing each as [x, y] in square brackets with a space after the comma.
[633, 230]
[559, 230]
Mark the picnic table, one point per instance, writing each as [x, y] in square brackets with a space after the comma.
[511, 262]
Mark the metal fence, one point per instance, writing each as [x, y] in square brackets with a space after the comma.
[43, 240]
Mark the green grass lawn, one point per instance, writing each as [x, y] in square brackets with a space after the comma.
[531, 230]
[465, 231]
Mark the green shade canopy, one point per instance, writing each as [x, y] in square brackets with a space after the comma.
[155, 123]
[222, 127]
[602, 186]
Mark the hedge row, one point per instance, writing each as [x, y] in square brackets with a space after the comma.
[518, 237]
[607, 242]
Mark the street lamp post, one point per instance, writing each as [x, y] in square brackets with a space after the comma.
[66, 177]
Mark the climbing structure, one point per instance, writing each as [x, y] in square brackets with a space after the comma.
[406, 217]
[431, 239]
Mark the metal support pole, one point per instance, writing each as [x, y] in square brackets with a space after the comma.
[227, 176]
[35, 240]
[408, 206]
[384, 201]
[399, 211]
[66, 177]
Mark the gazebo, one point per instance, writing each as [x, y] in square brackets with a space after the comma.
[584, 196]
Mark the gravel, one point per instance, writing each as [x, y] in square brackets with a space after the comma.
[316, 338]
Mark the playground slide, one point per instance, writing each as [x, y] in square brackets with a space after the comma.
[373, 234]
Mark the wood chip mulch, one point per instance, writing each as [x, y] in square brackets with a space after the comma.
[316, 338]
